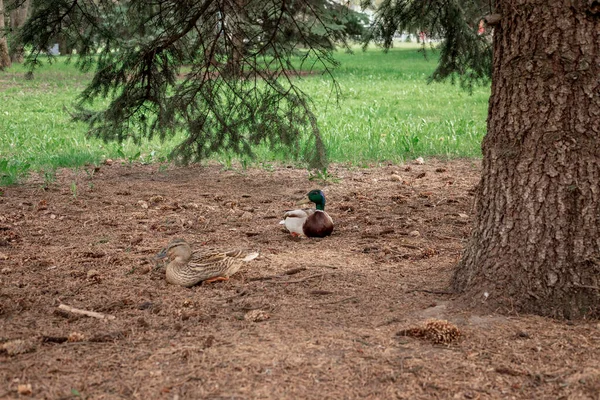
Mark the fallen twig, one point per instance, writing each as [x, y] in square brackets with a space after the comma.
[107, 337]
[300, 280]
[321, 292]
[408, 246]
[54, 339]
[588, 287]
[294, 271]
[509, 371]
[389, 322]
[85, 312]
[430, 291]
[263, 278]
[440, 202]
[240, 294]
[345, 299]
[325, 266]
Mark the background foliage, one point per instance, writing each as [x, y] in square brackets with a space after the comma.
[387, 112]
[220, 71]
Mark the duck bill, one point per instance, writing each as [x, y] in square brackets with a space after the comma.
[303, 201]
[161, 255]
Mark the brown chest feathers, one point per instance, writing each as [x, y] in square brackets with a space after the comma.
[318, 224]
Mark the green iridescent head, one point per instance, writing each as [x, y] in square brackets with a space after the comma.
[315, 196]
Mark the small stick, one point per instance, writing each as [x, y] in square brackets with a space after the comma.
[54, 339]
[268, 277]
[509, 371]
[85, 312]
[389, 322]
[430, 291]
[240, 294]
[300, 280]
[409, 246]
[326, 266]
[294, 271]
[321, 292]
[263, 278]
[588, 287]
[345, 299]
[440, 202]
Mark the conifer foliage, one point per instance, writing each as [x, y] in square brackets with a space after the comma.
[221, 71]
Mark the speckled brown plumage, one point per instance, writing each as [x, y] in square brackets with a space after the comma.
[188, 268]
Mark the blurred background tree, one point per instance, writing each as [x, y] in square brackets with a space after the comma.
[224, 72]
[4, 56]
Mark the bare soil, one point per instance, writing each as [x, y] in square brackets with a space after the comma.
[308, 319]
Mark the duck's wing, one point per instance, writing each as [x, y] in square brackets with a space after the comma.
[294, 219]
[208, 258]
[241, 254]
[300, 213]
[213, 263]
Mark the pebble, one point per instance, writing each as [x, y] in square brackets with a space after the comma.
[246, 216]
[92, 273]
[256, 316]
[25, 389]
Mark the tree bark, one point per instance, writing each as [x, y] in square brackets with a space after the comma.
[4, 57]
[234, 21]
[17, 20]
[64, 46]
[535, 246]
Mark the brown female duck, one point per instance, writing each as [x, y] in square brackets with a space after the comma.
[189, 267]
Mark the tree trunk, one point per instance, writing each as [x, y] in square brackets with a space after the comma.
[4, 57]
[17, 20]
[535, 246]
[234, 21]
[64, 47]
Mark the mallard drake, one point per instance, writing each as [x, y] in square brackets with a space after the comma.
[187, 267]
[309, 222]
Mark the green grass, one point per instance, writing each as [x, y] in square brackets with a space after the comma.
[387, 112]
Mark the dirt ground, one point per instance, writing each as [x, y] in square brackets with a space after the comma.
[308, 319]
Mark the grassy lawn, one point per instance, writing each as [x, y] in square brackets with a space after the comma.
[387, 112]
[390, 112]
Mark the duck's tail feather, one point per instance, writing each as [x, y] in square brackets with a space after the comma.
[251, 256]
